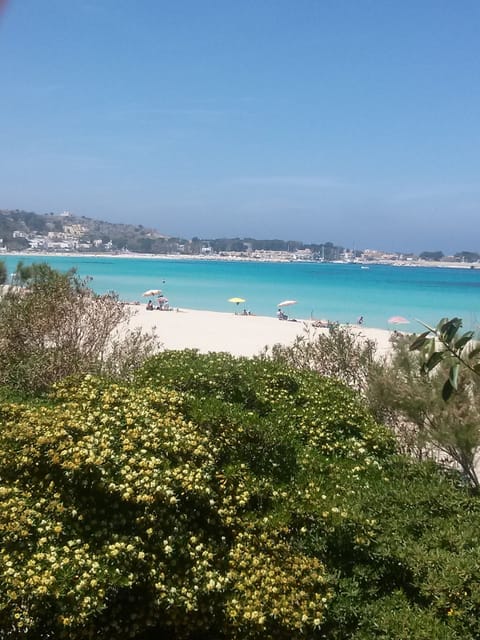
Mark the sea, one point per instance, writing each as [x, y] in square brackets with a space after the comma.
[337, 292]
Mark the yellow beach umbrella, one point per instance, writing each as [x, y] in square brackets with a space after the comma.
[236, 300]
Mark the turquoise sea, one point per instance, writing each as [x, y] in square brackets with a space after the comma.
[337, 292]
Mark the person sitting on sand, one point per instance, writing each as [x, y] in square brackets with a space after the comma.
[149, 305]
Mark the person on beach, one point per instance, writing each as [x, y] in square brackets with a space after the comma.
[281, 315]
[149, 305]
[360, 320]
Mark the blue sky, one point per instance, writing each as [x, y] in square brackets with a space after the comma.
[351, 121]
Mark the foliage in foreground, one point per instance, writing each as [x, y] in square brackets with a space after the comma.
[411, 392]
[222, 498]
[340, 353]
[443, 344]
[409, 395]
[56, 326]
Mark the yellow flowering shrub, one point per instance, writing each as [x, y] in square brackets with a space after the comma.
[120, 514]
[274, 591]
[224, 498]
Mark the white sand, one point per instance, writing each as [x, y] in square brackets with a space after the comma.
[236, 334]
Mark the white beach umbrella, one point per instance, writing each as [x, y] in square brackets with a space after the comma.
[152, 292]
[286, 303]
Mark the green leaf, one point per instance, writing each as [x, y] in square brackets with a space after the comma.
[447, 390]
[450, 329]
[442, 324]
[462, 341]
[434, 359]
[453, 377]
[420, 341]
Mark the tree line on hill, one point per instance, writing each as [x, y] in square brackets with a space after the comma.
[17, 227]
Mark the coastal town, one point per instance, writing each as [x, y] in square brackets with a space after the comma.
[65, 233]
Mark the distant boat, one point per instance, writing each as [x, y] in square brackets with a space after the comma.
[364, 267]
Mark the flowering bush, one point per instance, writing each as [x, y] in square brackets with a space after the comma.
[118, 515]
[222, 498]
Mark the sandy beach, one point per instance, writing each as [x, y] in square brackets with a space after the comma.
[236, 334]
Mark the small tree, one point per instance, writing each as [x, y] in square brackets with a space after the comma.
[57, 326]
[409, 393]
[450, 360]
[3, 272]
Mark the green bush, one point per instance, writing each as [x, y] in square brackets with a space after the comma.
[215, 497]
[409, 400]
[3, 272]
[56, 326]
[341, 353]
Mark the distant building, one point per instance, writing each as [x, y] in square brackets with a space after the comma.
[75, 229]
[37, 242]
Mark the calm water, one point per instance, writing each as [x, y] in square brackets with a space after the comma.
[339, 292]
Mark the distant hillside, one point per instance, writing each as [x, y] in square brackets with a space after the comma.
[20, 230]
[26, 230]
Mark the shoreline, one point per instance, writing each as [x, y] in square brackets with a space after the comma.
[230, 258]
[239, 335]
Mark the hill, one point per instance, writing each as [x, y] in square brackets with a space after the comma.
[21, 230]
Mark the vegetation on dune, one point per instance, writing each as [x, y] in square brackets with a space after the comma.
[427, 390]
[340, 354]
[3, 272]
[53, 326]
[410, 397]
[212, 497]
[217, 497]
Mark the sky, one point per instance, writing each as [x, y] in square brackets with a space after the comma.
[350, 121]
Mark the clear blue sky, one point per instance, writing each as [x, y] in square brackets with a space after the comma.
[353, 121]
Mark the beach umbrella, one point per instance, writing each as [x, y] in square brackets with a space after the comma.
[398, 320]
[236, 300]
[286, 303]
[152, 292]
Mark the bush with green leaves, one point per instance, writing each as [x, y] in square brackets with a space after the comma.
[55, 326]
[3, 272]
[408, 395]
[339, 353]
[220, 498]
[407, 390]
[444, 344]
